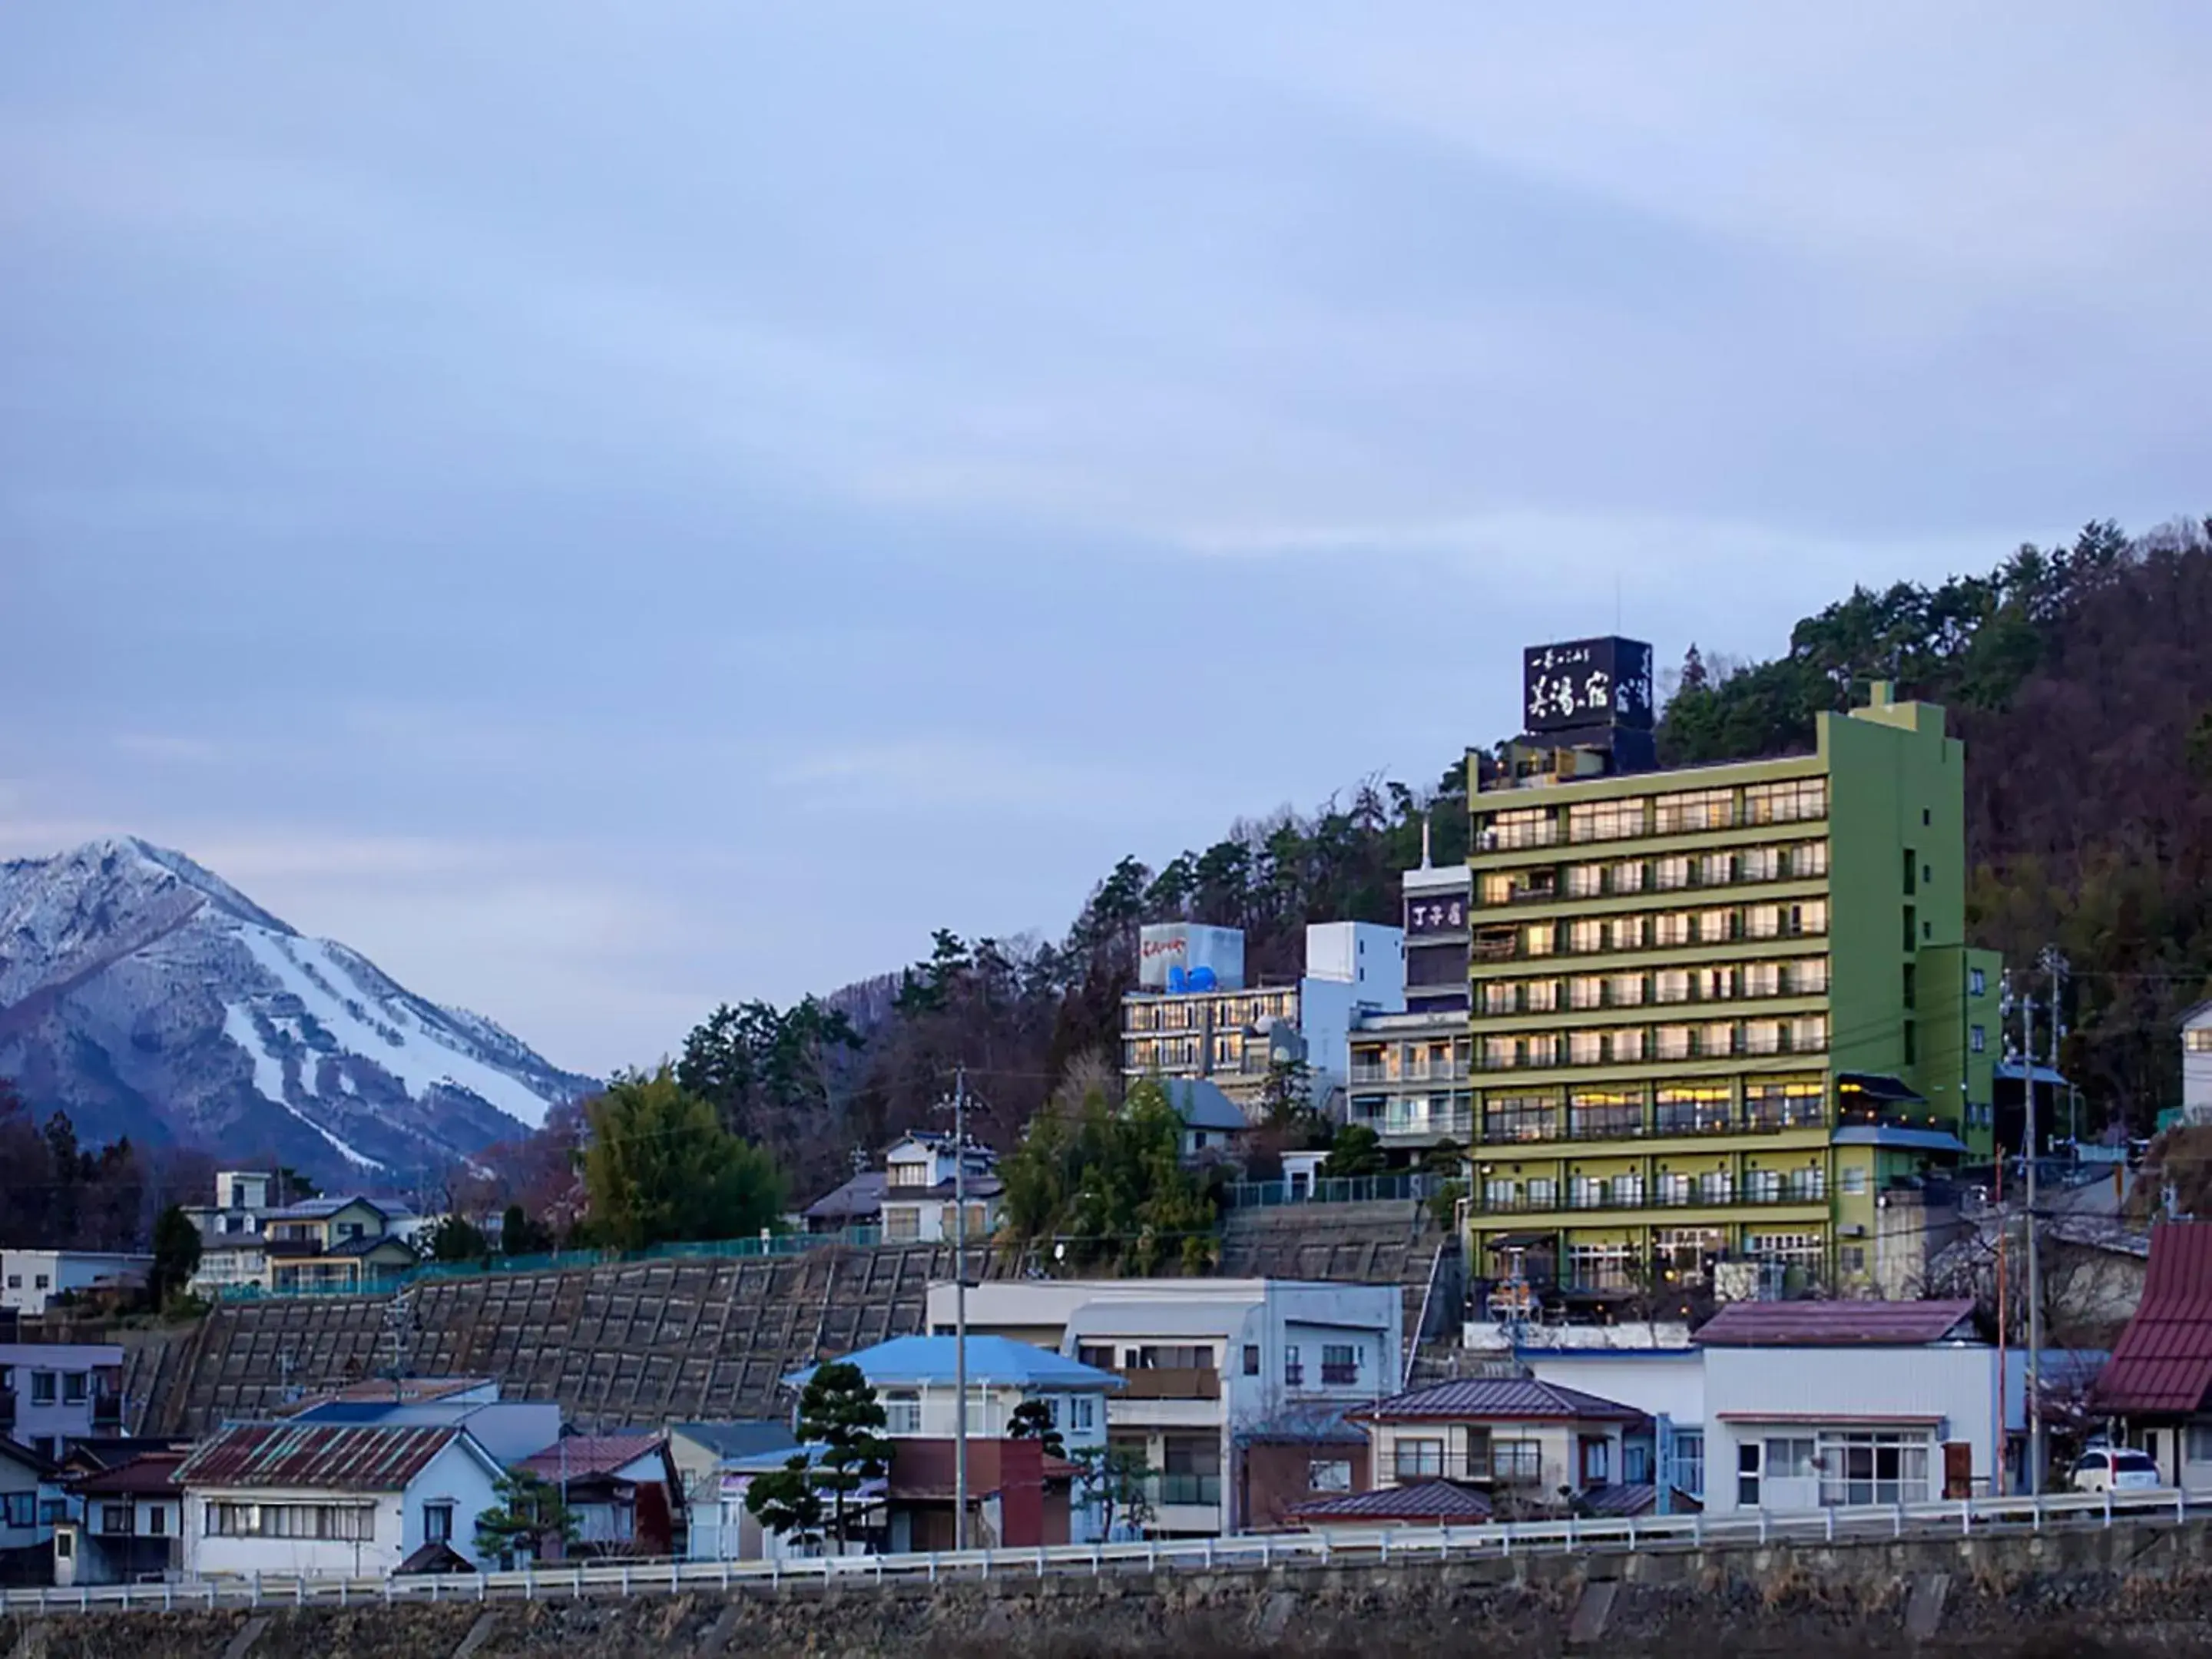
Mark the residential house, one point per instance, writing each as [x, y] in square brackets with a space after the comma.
[622, 1489]
[1664, 1380]
[915, 1377]
[30, 1504]
[855, 1202]
[31, 1280]
[130, 1528]
[334, 1245]
[318, 1499]
[1213, 1123]
[1298, 1457]
[1208, 1366]
[54, 1394]
[921, 1172]
[509, 1430]
[1522, 1442]
[714, 1463]
[1810, 1405]
[1423, 1504]
[2157, 1388]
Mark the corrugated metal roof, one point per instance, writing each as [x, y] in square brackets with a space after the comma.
[2164, 1360]
[150, 1476]
[315, 1456]
[578, 1456]
[1518, 1398]
[1438, 1501]
[1832, 1324]
[912, 1361]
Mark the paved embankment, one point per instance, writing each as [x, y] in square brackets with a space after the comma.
[2133, 1588]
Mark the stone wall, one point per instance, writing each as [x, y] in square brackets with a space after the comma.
[2131, 1590]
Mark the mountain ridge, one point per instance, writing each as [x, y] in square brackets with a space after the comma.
[147, 996]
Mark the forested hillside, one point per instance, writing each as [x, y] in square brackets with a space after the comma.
[2080, 677]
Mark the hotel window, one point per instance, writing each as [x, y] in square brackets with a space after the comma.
[1536, 939]
[1762, 979]
[1810, 917]
[1585, 880]
[1671, 1042]
[1855, 1180]
[1532, 826]
[1668, 873]
[1543, 1049]
[1627, 1044]
[1799, 1250]
[1716, 1039]
[1761, 863]
[1672, 1189]
[1762, 1186]
[1762, 1037]
[1716, 926]
[1587, 933]
[1626, 990]
[1808, 1186]
[1808, 1034]
[1671, 928]
[1541, 996]
[1599, 1267]
[1714, 1187]
[1808, 858]
[1586, 1049]
[1498, 996]
[1671, 985]
[1784, 1105]
[1625, 878]
[1585, 1193]
[1808, 977]
[1795, 802]
[1762, 921]
[1977, 1039]
[1696, 809]
[1606, 820]
[1712, 984]
[1977, 984]
[1693, 1109]
[1715, 870]
[1497, 888]
[1605, 1115]
[1520, 1117]
[1499, 1053]
[1500, 1194]
[1543, 1192]
[1627, 1191]
[1586, 992]
[1626, 932]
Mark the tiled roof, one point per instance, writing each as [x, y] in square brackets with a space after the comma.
[1303, 1425]
[1832, 1324]
[315, 1456]
[1618, 1502]
[862, 1195]
[1435, 1501]
[578, 1456]
[1520, 1399]
[2164, 1360]
[740, 1438]
[152, 1475]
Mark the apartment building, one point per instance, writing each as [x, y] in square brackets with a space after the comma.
[1410, 1079]
[1718, 1011]
[1204, 1022]
[1210, 1370]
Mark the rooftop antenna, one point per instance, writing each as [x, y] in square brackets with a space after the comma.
[1424, 840]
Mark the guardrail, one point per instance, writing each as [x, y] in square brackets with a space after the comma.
[1261, 1552]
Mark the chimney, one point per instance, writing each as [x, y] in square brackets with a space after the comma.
[1425, 841]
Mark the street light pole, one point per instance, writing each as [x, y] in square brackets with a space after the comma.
[960, 1309]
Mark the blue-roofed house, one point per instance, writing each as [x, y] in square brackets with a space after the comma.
[914, 1376]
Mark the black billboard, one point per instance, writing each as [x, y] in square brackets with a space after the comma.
[1444, 913]
[1584, 683]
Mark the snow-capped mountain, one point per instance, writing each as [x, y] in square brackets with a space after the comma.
[150, 997]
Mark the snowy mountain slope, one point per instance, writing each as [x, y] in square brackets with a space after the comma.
[150, 997]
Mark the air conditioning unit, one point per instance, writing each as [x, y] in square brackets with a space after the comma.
[1857, 1229]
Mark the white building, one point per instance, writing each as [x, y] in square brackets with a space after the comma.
[1667, 1384]
[919, 1186]
[131, 1526]
[2197, 1064]
[29, 1279]
[286, 1498]
[1238, 1036]
[53, 1395]
[31, 1500]
[1812, 1405]
[1203, 1362]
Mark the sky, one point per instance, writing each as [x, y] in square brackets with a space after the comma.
[613, 508]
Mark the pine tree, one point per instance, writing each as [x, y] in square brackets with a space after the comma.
[839, 1413]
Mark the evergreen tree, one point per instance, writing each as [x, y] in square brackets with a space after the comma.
[840, 1415]
[176, 1255]
[527, 1513]
[659, 1167]
[785, 1501]
[455, 1238]
[1032, 1420]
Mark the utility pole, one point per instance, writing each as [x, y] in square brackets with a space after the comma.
[2034, 1266]
[960, 1309]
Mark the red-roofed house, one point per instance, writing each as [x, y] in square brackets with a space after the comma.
[2160, 1377]
[133, 1525]
[1500, 1434]
[330, 1497]
[622, 1489]
[1810, 1405]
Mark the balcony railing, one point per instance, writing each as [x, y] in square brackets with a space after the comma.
[1604, 1129]
[1457, 1122]
[1696, 1198]
[1199, 1489]
[1339, 1376]
[1504, 1463]
[1171, 1382]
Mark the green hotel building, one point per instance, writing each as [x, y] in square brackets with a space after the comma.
[1720, 1013]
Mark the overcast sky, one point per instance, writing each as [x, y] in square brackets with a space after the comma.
[610, 508]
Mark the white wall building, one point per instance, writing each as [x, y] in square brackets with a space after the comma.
[30, 1500]
[1202, 1361]
[919, 1173]
[53, 1395]
[29, 1279]
[285, 1498]
[2197, 1064]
